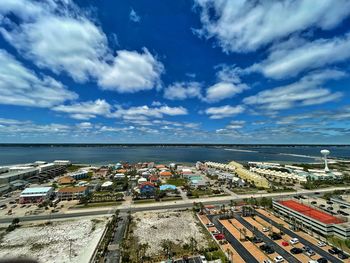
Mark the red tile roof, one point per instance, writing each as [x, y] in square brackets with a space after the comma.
[165, 173]
[72, 189]
[146, 183]
[311, 212]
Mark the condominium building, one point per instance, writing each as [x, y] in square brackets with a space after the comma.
[69, 193]
[312, 219]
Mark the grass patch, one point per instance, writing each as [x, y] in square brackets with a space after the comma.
[177, 181]
[99, 204]
[245, 190]
[74, 168]
[144, 201]
[172, 198]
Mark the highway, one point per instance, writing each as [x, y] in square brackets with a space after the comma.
[181, 204]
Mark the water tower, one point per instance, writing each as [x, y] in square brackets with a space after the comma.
[325, 153]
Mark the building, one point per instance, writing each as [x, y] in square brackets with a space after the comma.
[35, 195]
[62, 162]
[312, 219]
[197, 181]
[70, 193]
[147, 189]
[101, 173]
[80, 174]
[119, 176]
[153, 179]
[165, 174]
[66, 180]
[279, 175]
[21, 174]
[107, 185]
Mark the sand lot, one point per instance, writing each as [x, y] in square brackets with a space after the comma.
[178, 227]
[52, 243]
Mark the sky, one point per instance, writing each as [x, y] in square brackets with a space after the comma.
[201, 71]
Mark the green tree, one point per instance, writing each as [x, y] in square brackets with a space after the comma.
[15, 221]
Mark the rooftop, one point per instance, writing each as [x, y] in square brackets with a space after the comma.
[36, 190]
[311, 212]
[72, 189]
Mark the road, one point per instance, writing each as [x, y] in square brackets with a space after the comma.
[182, 204]
[113, 254]
[305, 242]
[286, 255]
[242, 251]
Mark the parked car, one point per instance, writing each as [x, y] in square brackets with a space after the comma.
[294, 241]
[257, 240]
[312, 261]
[334, 250]
[278, 259]
[341, 255]
[322, 260]
[285, 243]
[210, 225]
[267, 261]
[310, 253]
[296, 250]
[321, 244]
[263, 247]
[269, 251]
[276, 236]
[265, 229]
[215, 232]
[219, 237]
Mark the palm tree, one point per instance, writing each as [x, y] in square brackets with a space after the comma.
[201, 207]
[143, 249]
[15, 221]
[166, 245]
[244, 231]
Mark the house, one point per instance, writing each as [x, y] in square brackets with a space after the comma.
[153, 179]
[35, 195]
[160, 166]
[107, 185]
[119, 176]
[66, 180]
[165, 174]
[147, 189]
[121, 171]
[80, 175]
[101, 173]
[68, 193]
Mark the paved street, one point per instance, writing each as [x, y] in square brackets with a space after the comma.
[180, 204]
[113, 254]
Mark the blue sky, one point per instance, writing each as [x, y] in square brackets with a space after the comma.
[174, 71]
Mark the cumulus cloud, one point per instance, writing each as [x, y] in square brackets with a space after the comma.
[131, 72]
[23, 87]
[224, 111]
[228, 84]
[308, 90]
[295, 56]
[243, 26]
[183, 90]
[224, 90]
[60, 37]
[145, 112]
[134, 16]
[85, 110]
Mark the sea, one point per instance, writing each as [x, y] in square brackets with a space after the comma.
[109, 154]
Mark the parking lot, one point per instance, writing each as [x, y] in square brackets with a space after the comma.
[260, 245]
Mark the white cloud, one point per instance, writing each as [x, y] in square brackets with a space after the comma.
[295, 56]
[183, 90]
[242, 26]
[308, 90]
[224, 90]
[131, 72]
[134, 16]
[23, 87]
[60, 37]
[142, 113]
[85, 110]
[229, 84]
[224, 111]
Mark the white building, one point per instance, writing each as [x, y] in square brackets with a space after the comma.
[35, 194]
[62, 162]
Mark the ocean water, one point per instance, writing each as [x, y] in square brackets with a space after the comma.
[166, 154]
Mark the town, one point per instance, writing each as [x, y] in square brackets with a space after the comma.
[172, 212]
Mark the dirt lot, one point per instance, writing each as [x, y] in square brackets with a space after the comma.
[152, 228]
[60, 241]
